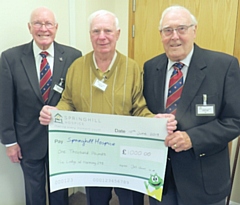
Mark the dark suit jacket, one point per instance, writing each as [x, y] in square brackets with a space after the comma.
[202, 174]
[21, 99]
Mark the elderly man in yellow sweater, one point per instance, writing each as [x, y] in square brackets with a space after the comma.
[105, 81]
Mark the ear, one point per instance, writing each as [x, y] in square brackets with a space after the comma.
[161, 35]
[29, 28]
[195, 31]
[118, 33]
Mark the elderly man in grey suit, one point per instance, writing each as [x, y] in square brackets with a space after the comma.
[22, 99]
[207, 112]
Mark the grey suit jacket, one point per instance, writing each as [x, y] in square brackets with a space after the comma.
[202, 174]
[21, 99]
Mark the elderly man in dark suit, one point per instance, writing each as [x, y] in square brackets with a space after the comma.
[21, 101]
[207, 110]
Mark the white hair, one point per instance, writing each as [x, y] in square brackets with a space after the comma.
[177, 7]
[103, 13]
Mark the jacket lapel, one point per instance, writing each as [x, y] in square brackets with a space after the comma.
[159, 83]
[58, 68]
[28, 62]
[193, 82]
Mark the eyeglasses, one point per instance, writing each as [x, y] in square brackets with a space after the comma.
[97, 32]
[180, 30]
[48, 25]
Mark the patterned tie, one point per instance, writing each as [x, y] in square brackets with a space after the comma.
[175, 88]
[45, 76]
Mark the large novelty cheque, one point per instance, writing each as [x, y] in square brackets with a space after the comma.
[88, 149]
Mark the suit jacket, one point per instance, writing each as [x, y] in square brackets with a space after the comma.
[202, 174]
[21, 99]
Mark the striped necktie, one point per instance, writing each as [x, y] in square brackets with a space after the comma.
[175, 88]
[45, 76]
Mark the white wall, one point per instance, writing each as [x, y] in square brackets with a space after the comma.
[72, 17]
[11, 186]
[15, 15]
[73, 30]
[85, 7]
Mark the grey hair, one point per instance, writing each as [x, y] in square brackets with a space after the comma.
[177, 7]
[103, 13]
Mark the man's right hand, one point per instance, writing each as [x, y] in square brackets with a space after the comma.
[45, 115]
[14, 153]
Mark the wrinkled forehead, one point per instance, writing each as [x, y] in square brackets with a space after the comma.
[43, 15]
[176, 17]
[103, 21]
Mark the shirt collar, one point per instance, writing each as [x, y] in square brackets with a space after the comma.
[185, 61]
[37, 50]
[110, 66]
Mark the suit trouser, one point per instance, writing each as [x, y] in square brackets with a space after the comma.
[172, 197]
[34, 172]
[103, 195]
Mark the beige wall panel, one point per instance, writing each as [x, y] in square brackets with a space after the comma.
[237, 37]
[235, 189]
[216, 25]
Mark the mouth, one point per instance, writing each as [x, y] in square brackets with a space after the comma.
[43, 36]
[157, 184]
[103, 44]
[175, 45]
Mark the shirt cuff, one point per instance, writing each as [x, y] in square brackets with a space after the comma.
[9, 145]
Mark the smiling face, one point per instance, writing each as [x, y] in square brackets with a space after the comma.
[178, 46]
[42, 35]
[155, 181]
[104, 34]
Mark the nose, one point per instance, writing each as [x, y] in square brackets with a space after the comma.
[102, 34]
[175, 34]
[43, 27]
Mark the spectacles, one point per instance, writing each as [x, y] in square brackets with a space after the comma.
[97, 32]
[180, 30]
[48, 25]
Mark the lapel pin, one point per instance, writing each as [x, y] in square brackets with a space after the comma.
[61, 59]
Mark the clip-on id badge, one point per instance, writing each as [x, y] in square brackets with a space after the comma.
[205, 109]
[59, 87]
[100, 83]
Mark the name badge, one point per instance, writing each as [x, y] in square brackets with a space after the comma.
[205, 110]
[58, 89]
[60, 86]
[100, 84]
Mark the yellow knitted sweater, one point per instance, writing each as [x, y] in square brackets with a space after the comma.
[123, 95]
